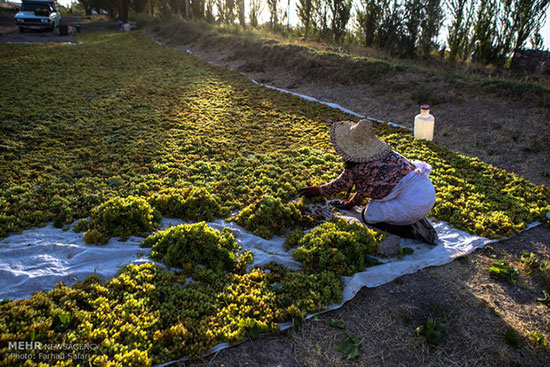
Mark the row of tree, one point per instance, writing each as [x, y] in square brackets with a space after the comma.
[488, 31]
[492, 30]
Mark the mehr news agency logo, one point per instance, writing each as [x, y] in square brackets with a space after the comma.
[53, 351]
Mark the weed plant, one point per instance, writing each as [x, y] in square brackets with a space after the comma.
[504, 271]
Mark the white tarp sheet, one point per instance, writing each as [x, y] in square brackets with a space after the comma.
[38, 259]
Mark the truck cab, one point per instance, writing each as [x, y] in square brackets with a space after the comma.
[38, 14]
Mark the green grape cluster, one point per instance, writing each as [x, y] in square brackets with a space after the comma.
[337, 246]
[269, 217]
[293, 237]
[82, 225]
[301, 293]
[121, 217]
[188, 245]
[190, 203]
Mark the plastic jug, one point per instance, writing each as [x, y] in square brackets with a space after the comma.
[424, 124]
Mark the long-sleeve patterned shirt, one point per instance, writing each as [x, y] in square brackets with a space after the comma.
[374, 179]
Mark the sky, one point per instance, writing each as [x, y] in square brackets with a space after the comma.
[545, 32]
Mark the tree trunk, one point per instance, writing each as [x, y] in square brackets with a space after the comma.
[288, 17]
[241, 13]
[123, 10]
[187, 15]
[307, 29]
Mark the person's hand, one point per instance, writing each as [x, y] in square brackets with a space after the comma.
[309, 191]
[341, 204]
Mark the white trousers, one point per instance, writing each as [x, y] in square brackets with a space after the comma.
[408, 202]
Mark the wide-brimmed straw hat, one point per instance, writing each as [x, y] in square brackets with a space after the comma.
[356, 142]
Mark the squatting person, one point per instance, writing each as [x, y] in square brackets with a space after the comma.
[400, 191]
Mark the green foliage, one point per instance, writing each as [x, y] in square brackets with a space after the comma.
[530, 259]
[432, 330]
[338, 246]
[121, 217]
[293, 238]
[82, 225]
[511, 338]
[269, 217]
[545, 299]
[61, 322]
[189, 245]
[538, 338]
[190, 203]
[536, 267]
[277, 287]
[338, 324]
[504, 271]
[350, 347]
[341, 13]
[405, 251]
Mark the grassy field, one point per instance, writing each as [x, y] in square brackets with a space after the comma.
[121, 116]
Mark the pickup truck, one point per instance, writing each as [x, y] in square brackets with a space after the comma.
[34, 14]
